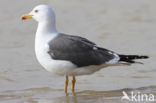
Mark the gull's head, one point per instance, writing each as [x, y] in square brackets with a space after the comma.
[41, 13]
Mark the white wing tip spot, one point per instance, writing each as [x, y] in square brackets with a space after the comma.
[94, 47]
[115, 59]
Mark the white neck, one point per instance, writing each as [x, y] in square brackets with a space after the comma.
[46, 31]
[46, 28]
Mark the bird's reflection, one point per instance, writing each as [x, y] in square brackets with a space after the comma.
[71, 99]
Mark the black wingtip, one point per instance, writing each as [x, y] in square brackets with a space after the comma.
[131, 58]
[144, 57]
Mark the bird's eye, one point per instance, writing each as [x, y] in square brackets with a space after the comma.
[36, 11]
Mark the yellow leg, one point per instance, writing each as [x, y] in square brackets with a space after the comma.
[66, 85]
[73, 83]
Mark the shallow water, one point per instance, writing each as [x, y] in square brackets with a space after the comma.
[124, 26]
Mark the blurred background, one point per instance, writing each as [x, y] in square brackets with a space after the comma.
[124, 26]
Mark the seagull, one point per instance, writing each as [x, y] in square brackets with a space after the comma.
[69, 55]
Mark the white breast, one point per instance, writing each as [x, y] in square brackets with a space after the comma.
[59, 67]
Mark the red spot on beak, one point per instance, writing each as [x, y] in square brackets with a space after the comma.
[24, 18]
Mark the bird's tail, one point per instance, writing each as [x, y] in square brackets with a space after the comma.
[131, 58]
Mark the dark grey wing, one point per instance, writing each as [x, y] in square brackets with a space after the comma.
[78, 50]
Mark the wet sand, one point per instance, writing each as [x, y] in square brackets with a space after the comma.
[124, 26]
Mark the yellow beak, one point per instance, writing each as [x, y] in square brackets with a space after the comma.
[26, 16]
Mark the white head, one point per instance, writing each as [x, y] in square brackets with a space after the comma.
[44, 15]
[41, 13]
